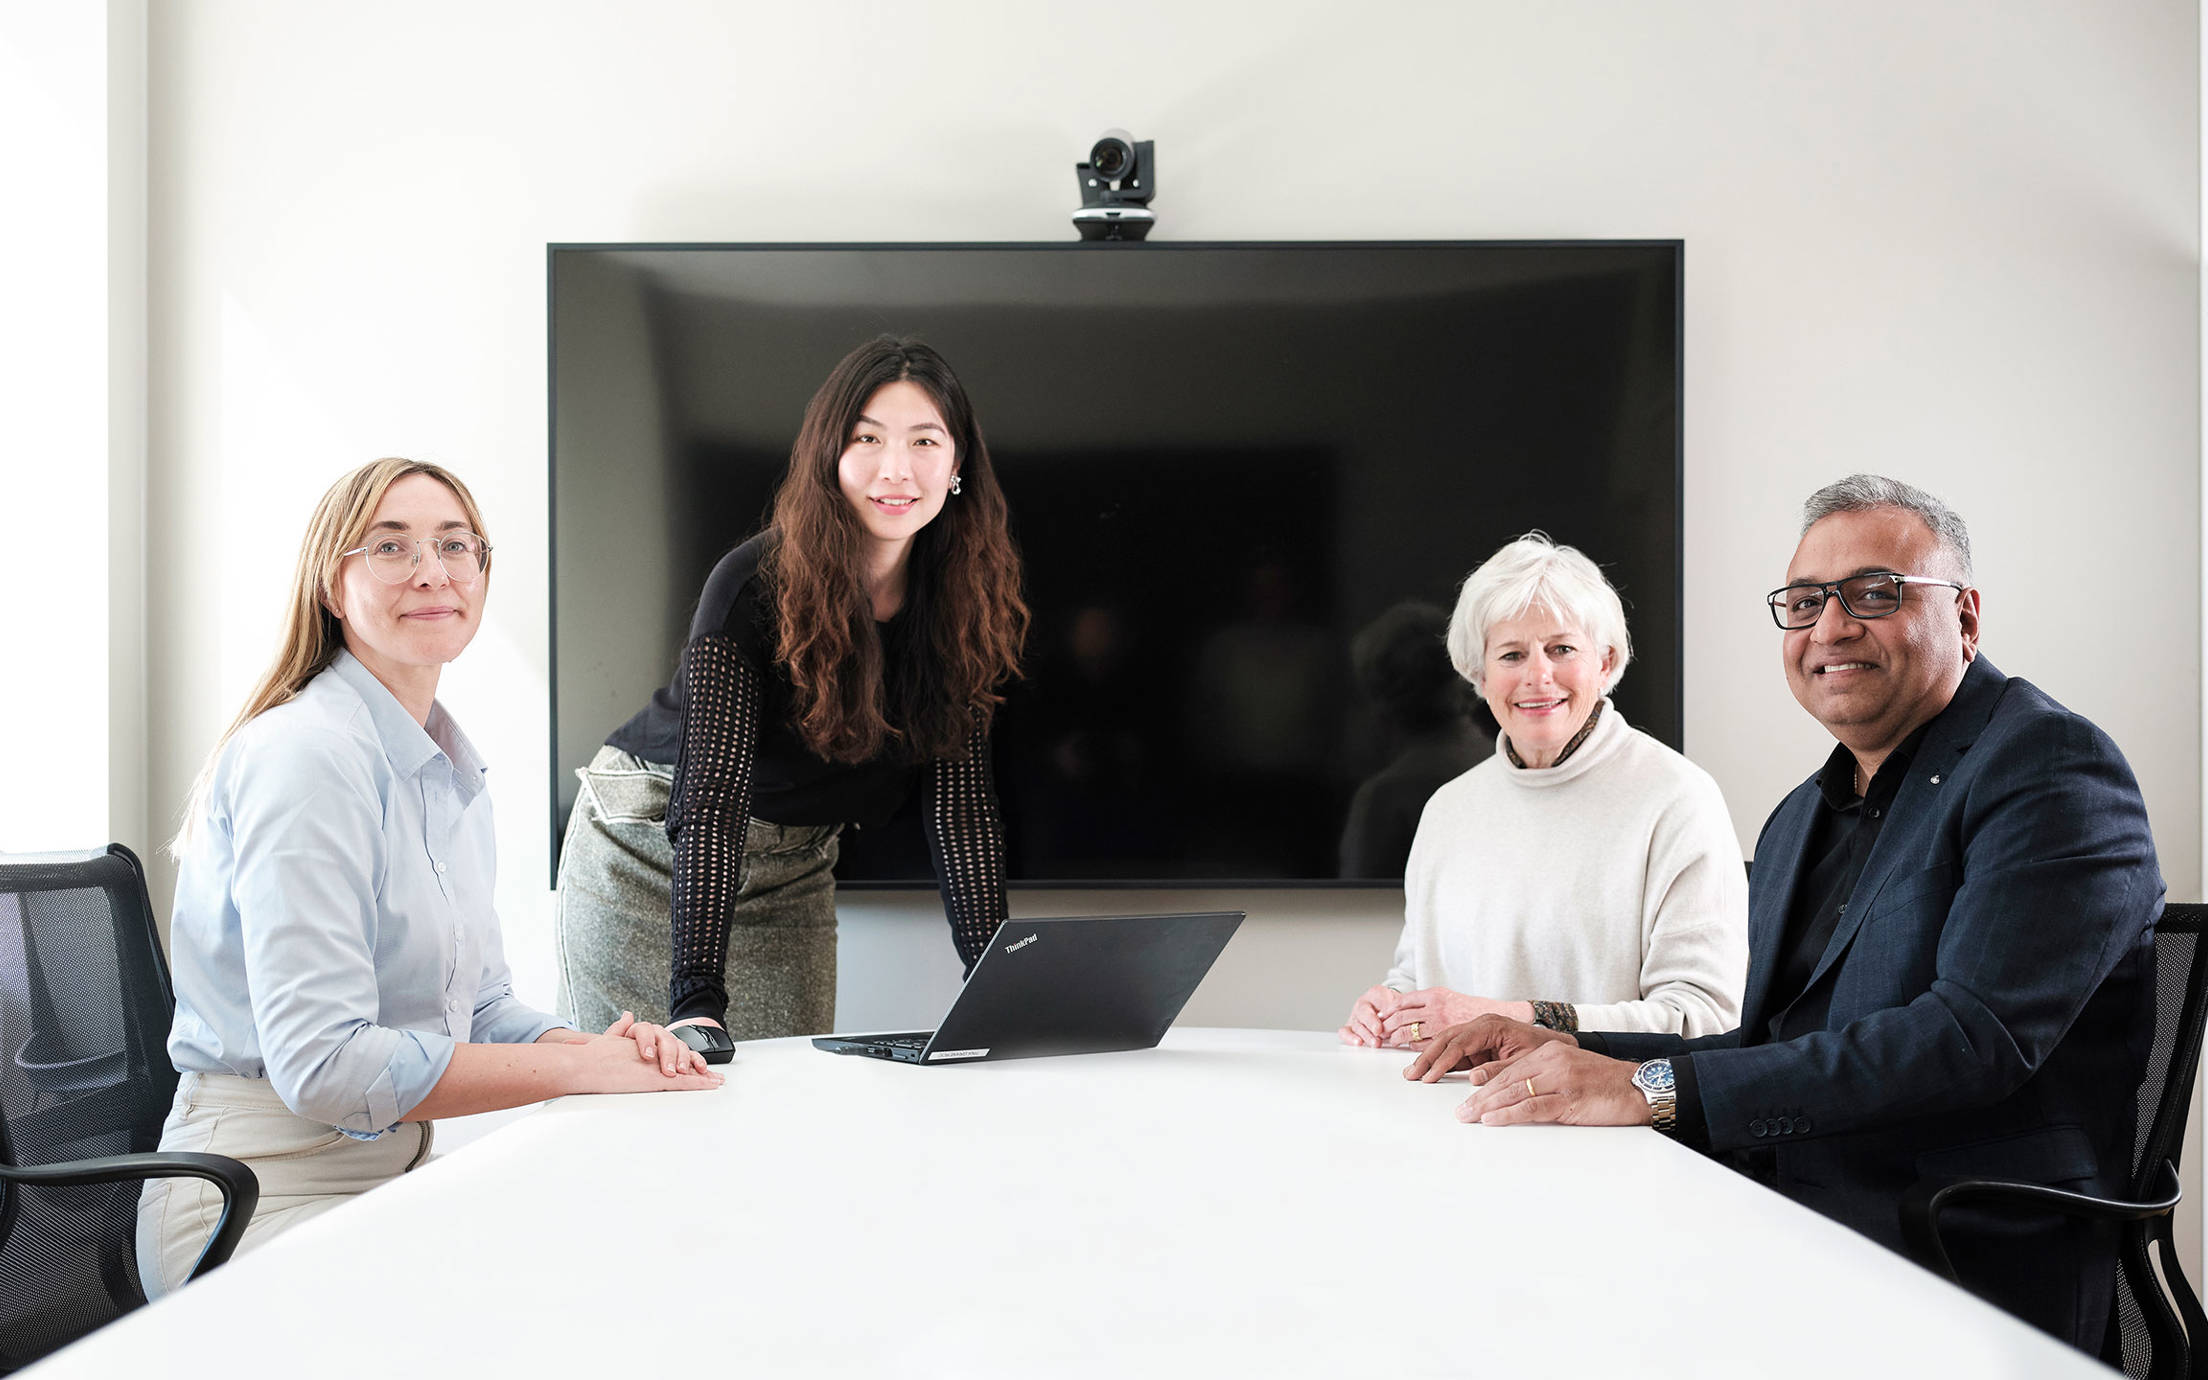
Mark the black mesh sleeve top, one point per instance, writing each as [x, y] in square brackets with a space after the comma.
[726, 725]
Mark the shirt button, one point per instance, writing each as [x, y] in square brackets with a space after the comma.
[440, 868]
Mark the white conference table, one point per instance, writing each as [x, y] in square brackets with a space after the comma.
[1232, 1203]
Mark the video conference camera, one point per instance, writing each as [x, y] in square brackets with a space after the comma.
[1116, 186]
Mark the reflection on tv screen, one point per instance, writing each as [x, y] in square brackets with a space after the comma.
[1246, 481]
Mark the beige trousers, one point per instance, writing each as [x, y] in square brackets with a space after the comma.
[305, 1169]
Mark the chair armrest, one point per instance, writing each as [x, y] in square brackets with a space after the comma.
[241, 1190]
[1926, 1199]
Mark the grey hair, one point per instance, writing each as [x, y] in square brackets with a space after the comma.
[1535, 572]
[1861, 492]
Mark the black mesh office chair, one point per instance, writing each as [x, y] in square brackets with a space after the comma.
[2160, 1330]
[85, 1084]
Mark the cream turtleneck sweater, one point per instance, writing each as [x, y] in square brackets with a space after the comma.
[1612, 881]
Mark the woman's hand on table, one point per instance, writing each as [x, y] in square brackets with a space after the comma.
[651, 1045]
[655, 1045]
[637, 1056]
[1418, 1017]
[1367, 1019]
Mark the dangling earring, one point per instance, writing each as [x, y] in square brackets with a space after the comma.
[954, 484]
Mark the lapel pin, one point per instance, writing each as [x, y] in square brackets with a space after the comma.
[1935, 778]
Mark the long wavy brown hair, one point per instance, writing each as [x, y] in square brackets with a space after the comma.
[962, 591]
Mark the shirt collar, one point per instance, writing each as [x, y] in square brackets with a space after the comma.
[407, 745]
[468, 765]
[1836, 780]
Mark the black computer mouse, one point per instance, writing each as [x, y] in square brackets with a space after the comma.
[708, 1040]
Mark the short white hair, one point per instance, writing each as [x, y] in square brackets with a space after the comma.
[1535, 572]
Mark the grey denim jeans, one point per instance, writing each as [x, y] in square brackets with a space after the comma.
[612, 916]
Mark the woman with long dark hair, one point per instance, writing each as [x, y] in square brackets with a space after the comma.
[848, 653]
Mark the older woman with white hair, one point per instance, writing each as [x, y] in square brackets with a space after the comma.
[1584, 876]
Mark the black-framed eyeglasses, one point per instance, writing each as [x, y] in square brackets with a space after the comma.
[393, 559]
[1862, 596]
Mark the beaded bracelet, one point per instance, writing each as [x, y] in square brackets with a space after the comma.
[1556, 1015]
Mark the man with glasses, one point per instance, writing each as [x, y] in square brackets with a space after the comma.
[1950, 937]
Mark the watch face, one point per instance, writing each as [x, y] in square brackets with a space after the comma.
[1654, 1076]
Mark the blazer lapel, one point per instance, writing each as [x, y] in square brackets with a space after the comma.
[1951, 734]
[1771, 899]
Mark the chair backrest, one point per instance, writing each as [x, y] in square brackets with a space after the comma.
[85, 1006]
[2180, 1003]
[2165, 1096]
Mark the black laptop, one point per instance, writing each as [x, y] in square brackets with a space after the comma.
[1085, 985]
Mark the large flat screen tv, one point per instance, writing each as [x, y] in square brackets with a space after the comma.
[1225, 463]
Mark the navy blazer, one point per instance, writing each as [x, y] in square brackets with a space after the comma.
[1986, 1002]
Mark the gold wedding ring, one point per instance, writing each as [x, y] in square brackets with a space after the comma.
[1529, 1087]
[1415, 1027]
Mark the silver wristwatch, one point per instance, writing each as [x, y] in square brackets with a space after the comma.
[1661, 1088]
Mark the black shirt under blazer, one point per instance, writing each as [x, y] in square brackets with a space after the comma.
[1987, 998]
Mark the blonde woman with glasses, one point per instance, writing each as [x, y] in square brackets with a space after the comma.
[339, 977]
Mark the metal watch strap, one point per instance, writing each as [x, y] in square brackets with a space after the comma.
[1659, 1085]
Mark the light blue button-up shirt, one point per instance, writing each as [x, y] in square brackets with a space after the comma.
[333, 930]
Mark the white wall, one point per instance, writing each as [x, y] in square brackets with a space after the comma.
[72, 101]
